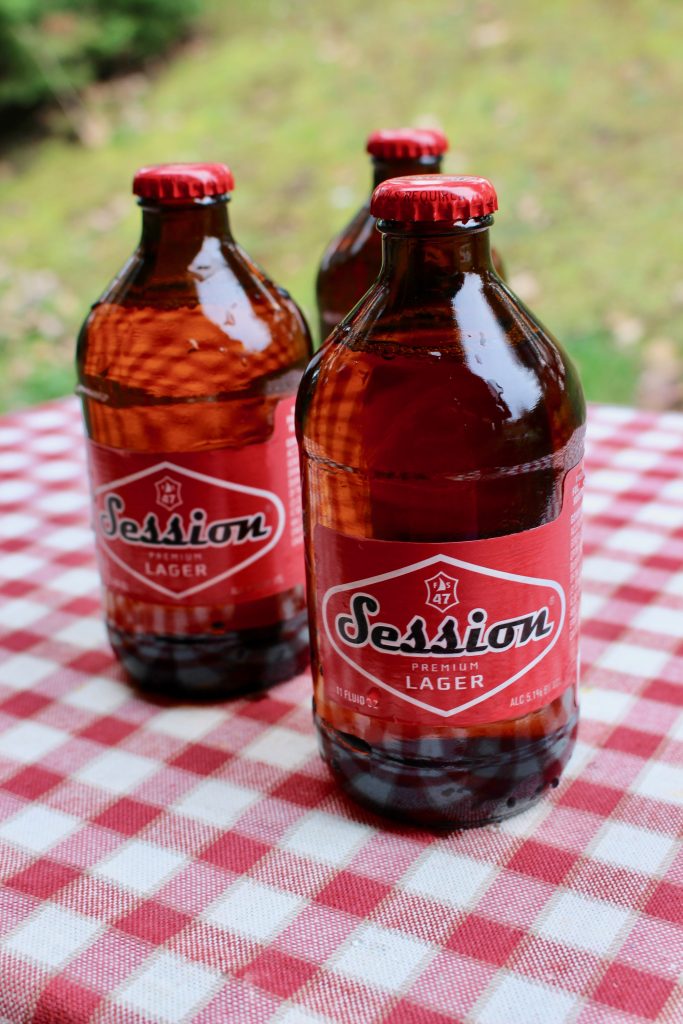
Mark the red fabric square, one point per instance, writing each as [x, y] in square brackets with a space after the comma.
[354, 894]
[127, 816]
[633, 991]
[43, 878]
[31, 782]
[108, 730]
[484, 939]
[410, 1013]
[65, 1002]
[264, 709]
[591, 796]
[92, 662]
[634, 741]
[666, 903]
[154, 922]
[234, 852]
[541, 861]
[303, 789]
[278, 972]
[24, 705]
[201, 759]
[669, 693]
[20, 639]
[16, 588]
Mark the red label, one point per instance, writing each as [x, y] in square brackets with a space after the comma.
[200, 528]
[464, 633]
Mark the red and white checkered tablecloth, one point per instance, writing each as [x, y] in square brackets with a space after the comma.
[195, 864]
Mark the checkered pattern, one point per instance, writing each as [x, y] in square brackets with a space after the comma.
[196, 864]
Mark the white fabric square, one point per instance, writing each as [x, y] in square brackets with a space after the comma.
[37, 828]
[614, 480]
[632, 847]
[594, 504]
[297, 1015]
[10, 462]
[43, 419]
[662, 440]
[643, 542]
[15, 490]
[656, 619]
[99, 694]
[674, 585]
[519, 1001]
[590, 603]
[29, 741]
[76, 582]
[605, 705]
[592, 925]
[187, 722]
[448, 877]
[255, 910]
[607, 570]
[661, 781]
[326, 837]
[117, 771]
[381, 957]
[659, 514]
[57, 469]
[216, 802]
[633, 458]
[23, 670]
[282, 748]
[18, 613]
[86, 633]
[140, 866]
[16, 524]
[18, 566]
[633, 660]
[169, 988]
[70, 538]
[58, 502]
[673, 491]
[53, 936]
[50, 444]
[580, 756]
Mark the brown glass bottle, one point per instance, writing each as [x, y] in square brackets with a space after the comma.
[445, 413]
[353, 258]
[187, 367]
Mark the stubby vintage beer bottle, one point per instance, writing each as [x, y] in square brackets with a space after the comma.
[353, 259]
[441, 433]
[188, 368]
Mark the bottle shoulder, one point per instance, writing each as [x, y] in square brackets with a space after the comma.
[219, 326]
[479, 380]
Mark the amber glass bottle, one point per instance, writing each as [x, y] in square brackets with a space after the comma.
[352, 260]
[188, 366]
[441, 439]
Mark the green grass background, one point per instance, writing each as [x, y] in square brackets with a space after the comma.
[572, 107]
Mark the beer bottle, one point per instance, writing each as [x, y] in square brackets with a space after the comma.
[352, 260]
[188, 368]
[441, 439]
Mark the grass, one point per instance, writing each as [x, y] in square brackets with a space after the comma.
[572, 108]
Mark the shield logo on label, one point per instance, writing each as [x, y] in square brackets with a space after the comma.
[169, 493]
[441, 592]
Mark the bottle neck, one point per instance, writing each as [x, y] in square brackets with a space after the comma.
[384, 169]
[431, 256]
[181, 231]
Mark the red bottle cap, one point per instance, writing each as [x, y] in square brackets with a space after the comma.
[406, 143]
[168, 183]
[433, 197]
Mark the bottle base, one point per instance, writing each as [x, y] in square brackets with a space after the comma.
[210, 667]
[461, 788]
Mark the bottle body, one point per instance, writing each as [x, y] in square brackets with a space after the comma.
[187, 367]
[444, 416]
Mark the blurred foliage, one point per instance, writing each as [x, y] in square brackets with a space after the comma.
[53, 48]
[572, 108]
